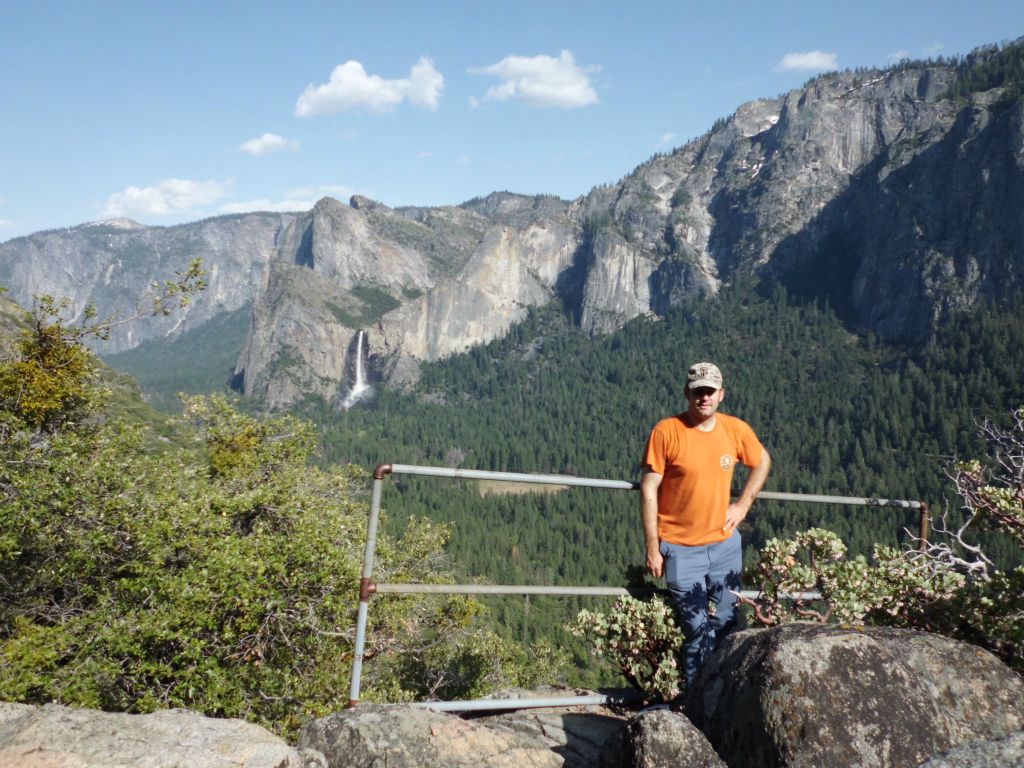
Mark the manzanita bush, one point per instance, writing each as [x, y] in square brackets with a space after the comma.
[947, 585]
[642, 639]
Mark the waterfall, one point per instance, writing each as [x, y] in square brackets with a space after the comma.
[360, 389]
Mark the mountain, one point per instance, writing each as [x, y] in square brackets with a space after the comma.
[12, 322]
[112, 264]
[894, 194]
[881, 191]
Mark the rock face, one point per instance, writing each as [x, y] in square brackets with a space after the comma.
[875, 190]
[413, 737]
[809, 695]
[113, 264]
[994, 753]
[60, 737]
[422, 283]
[580, 735]
[509, 271]
[661, 738]
[333, 273]
[864, 188]
[804, 695]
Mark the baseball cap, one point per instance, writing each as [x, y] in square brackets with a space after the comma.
[704, 375]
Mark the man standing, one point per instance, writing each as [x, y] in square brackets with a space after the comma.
[689, 520]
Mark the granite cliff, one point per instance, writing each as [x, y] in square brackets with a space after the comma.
[887, 192]
[113, 263]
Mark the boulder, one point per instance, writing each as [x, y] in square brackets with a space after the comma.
[579, 734]
[404, 736]
[813, 695]
[53, 736]
[1007, 752]
[660, 737]
[977, 695]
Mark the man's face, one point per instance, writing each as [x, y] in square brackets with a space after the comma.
[704, 401]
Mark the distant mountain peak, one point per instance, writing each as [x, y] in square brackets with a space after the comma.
[127, 225]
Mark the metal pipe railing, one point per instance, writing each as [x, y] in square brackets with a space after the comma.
[533, 589]
[477, 705]
[367, 588]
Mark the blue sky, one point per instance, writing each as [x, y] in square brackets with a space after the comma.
[173, 111]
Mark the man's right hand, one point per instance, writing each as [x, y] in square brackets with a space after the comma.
[655, 563]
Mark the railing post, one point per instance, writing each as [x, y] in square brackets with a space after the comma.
[923, 527]
[366, 583]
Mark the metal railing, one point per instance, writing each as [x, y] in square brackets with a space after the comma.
[368, 588]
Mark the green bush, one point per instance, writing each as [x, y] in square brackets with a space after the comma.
[221, 577]
[641, 638]
[947, 585]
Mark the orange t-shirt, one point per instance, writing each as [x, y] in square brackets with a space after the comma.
[697, 469]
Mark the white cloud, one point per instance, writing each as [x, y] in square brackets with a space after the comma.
[265, 204]
[933, 49]
[350, 87]
[424, 155]
[666, 139]
[541, 81]
[6, 223]
[268, 142]
[425, 84]
[899, 55]
[813, 61]
[170, 197]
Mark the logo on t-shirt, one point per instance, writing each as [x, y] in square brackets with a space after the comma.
[727, 461]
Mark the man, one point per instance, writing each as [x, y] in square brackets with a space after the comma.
[689, 520]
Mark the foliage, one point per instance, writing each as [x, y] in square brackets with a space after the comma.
[851, 590]
[368, 304]
[51, 379]
[995, 67]
[49, 382]
[949, 585]
[641, 639]
[475, 663]
[197, 361]
[220, 579]
[995, 493]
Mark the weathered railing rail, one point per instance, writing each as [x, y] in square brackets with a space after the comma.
[368, 588]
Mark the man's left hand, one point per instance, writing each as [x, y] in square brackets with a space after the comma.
[734, 515]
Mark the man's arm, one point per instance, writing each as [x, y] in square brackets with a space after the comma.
[738, 510]
[649, 512]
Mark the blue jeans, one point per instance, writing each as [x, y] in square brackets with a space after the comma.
[699, 582]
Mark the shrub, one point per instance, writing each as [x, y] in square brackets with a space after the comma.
[641, 638]
[222, 578]
[947, 585]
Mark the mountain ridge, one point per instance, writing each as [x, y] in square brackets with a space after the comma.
[887, 192]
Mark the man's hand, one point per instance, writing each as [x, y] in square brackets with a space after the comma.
[737, 511]
[655, 563]
[734, 515]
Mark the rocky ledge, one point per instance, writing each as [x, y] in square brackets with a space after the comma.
[797, 695]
